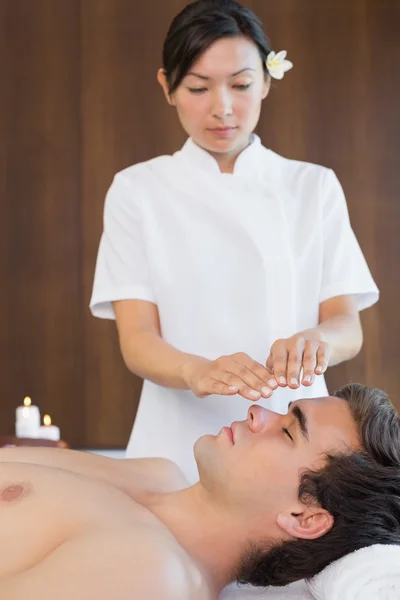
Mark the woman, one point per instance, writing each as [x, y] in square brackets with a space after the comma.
[233, 273]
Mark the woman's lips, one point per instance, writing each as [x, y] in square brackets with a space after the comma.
[223, 131]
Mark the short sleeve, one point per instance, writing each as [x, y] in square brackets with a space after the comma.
[122, 271]
[345, 270]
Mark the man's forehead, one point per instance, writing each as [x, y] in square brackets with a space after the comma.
[323, 406]
[329, 414]
[320, 400]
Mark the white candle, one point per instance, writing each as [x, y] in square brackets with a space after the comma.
[27, 422]
[49, 431]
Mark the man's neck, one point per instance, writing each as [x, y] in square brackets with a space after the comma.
[208, 533]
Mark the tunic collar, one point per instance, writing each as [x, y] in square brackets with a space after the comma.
[247, 164]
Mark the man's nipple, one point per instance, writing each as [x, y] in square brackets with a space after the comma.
[13, 492]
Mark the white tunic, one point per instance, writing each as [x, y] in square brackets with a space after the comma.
[233, 262]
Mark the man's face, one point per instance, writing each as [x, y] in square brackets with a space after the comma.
[254, 466]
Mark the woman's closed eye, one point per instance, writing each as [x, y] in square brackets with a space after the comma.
[197, 90]
[243, 86]
[286, 432]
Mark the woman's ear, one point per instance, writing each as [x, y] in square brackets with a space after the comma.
[311, 524]
[162, 80]
[266, 86]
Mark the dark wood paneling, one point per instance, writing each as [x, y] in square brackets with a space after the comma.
[82, 102]
[5, 357]
[338, 107]
[118, 87]
[43, 340]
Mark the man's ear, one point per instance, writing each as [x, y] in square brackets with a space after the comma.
[312, 523]
[162, 80]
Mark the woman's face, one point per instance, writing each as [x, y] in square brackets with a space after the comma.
[219, 100]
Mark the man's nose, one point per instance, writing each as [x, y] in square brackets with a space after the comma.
[262, 419]
[222, 104]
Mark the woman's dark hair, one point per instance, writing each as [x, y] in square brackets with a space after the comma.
[361, 490]
[201, 24]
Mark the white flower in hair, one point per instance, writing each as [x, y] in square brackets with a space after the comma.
[277, 64]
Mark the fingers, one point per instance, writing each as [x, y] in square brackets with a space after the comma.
[271, 381]
[248, 384]
[206, 386]
[289, 357]
[323, 357]
[214, 386]
[240, 374]
[217, 387]
[309, 362]
[277, 361]
[263, 373]
[295, 362]
[249, 376]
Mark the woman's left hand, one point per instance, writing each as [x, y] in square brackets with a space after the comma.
[301, 352]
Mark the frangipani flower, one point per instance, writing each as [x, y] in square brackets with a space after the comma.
[277, 64]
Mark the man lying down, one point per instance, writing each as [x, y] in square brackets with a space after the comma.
[279, 497]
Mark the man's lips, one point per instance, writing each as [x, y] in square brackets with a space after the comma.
[233, 429]
[228, 431]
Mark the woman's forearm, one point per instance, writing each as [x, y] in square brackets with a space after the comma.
[149, 356]
[343, 334]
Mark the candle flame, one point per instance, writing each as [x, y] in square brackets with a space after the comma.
[27, 401]
[47, 420]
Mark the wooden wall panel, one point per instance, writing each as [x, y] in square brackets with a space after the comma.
[337, 107]
[42, 345]
[82, 102]
[4, 211]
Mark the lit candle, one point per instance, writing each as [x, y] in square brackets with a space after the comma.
[27, 422]
[49, 431]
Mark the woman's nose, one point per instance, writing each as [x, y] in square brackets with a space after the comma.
[262, 419]
[222, 104]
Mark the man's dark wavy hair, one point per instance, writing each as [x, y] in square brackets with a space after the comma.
[360, 489]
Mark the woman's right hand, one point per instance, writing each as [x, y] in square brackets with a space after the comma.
[229, 375]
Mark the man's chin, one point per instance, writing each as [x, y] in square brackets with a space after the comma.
[204, 439]
[203, 447]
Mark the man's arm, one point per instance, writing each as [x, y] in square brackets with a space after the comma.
[131, 476]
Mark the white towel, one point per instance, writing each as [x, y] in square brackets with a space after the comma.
[368, 574]
[295, 591]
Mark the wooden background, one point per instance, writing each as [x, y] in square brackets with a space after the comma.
[79, 101]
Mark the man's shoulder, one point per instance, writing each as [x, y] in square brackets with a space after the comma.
[161, 569]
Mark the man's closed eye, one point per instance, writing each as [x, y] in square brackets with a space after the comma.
[286, 432]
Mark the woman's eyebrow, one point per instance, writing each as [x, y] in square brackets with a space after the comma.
[208, 78]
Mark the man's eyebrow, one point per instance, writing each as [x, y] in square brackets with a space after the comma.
[207, 78]
[301, 418]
